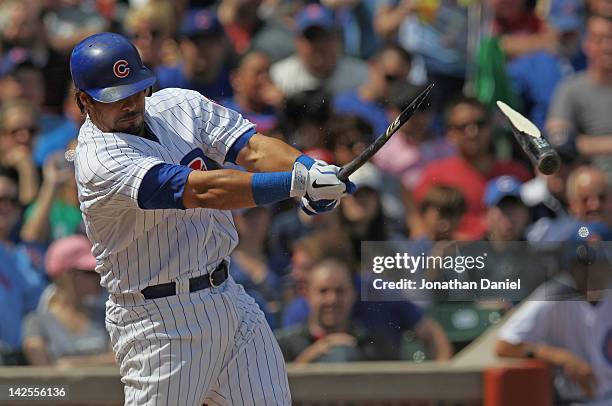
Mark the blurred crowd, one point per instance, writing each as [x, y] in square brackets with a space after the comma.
[326, 76]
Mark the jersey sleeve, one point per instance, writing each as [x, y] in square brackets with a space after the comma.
[529, 324]
[110, 172]
[219, 127]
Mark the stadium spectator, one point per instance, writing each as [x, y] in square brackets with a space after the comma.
[535, 75]
[20, 32]
[206, 57]
[346, 136]
[356, 21]
[306, 252]
[434, 31]
[20, 282]
[468, 128]
[588, 197]
[305, 118]
[507, 215]
[600, 7]
[67, 23]
[67, 328]
[389, 65]
[57, 131]
[241, 21]
[362, 214]
[579, 115]
[566, 323]
[55, 212]
[440, 212]
[415, 144]
[18, 130]
[255, 96]
[318, 61]
[520, 30]
[330, 335]
[372, 331]
[151, 28]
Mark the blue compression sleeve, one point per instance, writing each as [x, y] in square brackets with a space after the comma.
[237, 146]
[270, 187]
[162, 187]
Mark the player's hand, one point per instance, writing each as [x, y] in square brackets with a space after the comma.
[318, 207]
[579, 371]
[323, 183]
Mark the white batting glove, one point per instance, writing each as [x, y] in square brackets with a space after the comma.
[323, 183]
[299, 180]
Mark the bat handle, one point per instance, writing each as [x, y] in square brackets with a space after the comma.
[348, 170]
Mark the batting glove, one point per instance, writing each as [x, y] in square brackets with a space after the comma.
[323, 183]
[318, 207]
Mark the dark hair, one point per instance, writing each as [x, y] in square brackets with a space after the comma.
[9, 173]
[447, 200]
[467, 100]
[393, 47]
[308, 106]
[337, 132]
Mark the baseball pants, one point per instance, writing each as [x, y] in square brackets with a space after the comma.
[212, 346]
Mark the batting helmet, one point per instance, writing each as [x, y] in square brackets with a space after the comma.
[107, 67]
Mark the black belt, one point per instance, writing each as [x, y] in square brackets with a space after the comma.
[214, 279]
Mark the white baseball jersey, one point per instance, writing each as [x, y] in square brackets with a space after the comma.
[576, 325]
[136, 248]
[213, 345]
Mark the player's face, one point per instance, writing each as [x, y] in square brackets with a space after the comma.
[330, 296]
[125, 116]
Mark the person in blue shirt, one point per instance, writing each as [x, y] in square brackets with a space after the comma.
[388, 66]
[20, 284]
[206, 57]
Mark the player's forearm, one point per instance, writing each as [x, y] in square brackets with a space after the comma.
[267, 154]
[594, 144]
[223, 189]
[550, 354]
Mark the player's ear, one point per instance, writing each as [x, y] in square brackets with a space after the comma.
[79, 101]
[149, 91]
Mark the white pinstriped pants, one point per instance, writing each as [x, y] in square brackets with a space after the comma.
[213, 346]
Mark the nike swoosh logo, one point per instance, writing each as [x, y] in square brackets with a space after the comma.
[318, 185]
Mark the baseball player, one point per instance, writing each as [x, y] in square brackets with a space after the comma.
[183, 332]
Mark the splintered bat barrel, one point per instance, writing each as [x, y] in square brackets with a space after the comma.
[538, 150]
[382, 139]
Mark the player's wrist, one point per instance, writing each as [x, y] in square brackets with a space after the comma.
[305, 160]
[272, 187]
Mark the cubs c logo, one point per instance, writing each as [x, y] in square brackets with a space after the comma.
[197, 164]
[197, 161]
[121, 68]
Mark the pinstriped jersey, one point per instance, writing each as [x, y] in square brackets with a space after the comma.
[136, 248]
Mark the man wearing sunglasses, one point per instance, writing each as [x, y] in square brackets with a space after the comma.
[468, 129]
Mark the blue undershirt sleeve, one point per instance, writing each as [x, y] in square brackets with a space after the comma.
[162, 187]
[237, 146]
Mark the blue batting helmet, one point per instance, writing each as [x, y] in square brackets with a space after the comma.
[107, 67]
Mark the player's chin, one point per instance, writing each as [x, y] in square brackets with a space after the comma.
[131, 126]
